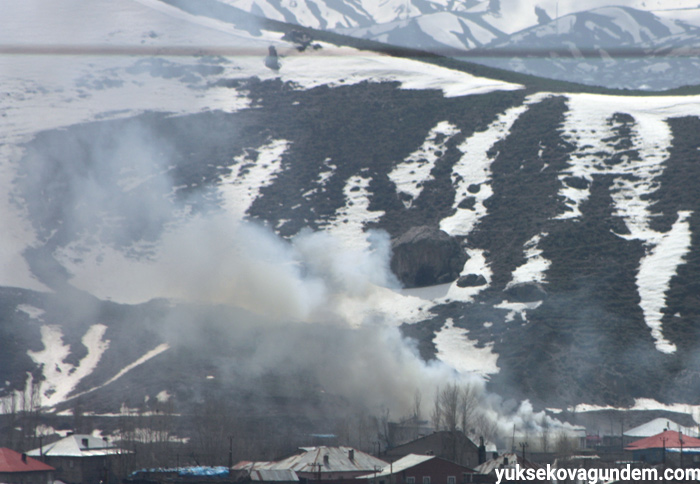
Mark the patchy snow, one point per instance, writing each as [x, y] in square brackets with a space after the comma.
[474, 169]
[476, 264]
[60, 378]
[411, 175]
[338, 66]
[641, 404]
[163, 396]
[587, 126]
[535, 267]
[31, 311]
[656, 269]
[350, 220]
[517, 309]
[250, 173]
[383, 304]
[459, 352]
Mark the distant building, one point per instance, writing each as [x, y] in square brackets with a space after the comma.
[322, 464]
[80, 459]
[453, 446]
[657, 426]
[665, 447]
[422, 469]
[16, 468]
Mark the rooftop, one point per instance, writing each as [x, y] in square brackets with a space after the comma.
[12, 461]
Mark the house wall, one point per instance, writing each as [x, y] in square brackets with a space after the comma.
[35, 477]
[433, 471]
[80, 470]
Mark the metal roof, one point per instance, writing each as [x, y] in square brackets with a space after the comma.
[406, 462]
[667, 439]
[322, 459]
[273, 475]
[77, 445]
[12, 461]
[500, 462]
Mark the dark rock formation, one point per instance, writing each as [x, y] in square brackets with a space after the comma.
[425, 256]
[471, 280]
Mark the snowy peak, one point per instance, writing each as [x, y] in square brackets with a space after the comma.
[441, 32]
[608, 27]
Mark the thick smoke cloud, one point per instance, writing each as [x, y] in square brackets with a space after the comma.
[123, 226]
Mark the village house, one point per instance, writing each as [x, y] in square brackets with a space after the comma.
[454, 446]
[655, 427]
[668, 447]
[422, 469]
[16, 468]
[81, 459]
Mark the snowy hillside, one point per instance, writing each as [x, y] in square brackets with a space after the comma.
[178, 217]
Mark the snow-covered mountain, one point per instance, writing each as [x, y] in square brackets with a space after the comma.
[182, 214]
[615, 47]
[443, 32]
[557, 39]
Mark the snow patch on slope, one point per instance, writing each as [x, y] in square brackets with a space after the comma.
[472, 173]
[459, 352]
[411, 175]
[631, 190]
[535, 266]
[250, 173]
[61, 378]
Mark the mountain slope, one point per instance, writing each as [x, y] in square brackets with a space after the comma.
[205, 224]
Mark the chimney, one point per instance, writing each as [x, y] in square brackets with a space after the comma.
[86, 443]
[24, 457]
[482, 451]
[351, 455]
[325, 460]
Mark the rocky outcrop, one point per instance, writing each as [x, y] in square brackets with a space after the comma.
[425, 256]
[472, 280]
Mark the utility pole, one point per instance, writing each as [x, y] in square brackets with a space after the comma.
[523, 445]
[230, 453]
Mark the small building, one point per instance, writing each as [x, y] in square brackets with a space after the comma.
[454, 446]
[421, 469]
[16, 468]
[665, 447]
[81, 459]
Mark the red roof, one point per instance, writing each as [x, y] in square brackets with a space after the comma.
[668, 439]
[11, 461]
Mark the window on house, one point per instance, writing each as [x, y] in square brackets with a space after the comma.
[426, 479]
[451, 480]
[410, 480]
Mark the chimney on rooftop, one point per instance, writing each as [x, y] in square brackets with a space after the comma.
[351, 455]
[24, 457]
[86, 443]
[325, 460]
